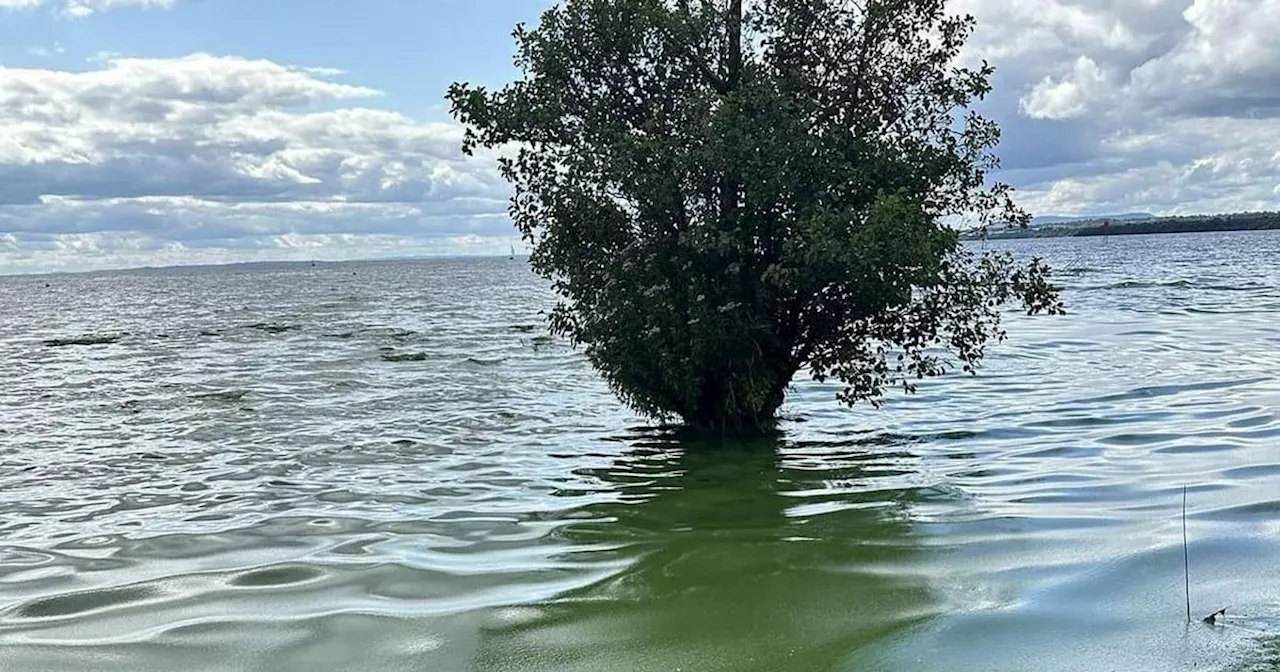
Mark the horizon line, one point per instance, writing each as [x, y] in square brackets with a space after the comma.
[258, 262]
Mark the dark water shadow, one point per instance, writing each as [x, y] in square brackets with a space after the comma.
[761, 555]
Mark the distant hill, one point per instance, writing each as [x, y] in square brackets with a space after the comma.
[1063, 219]
[1141, 224]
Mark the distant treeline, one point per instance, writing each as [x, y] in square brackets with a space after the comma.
[1243, 221]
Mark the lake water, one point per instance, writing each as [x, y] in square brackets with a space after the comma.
[388, 466]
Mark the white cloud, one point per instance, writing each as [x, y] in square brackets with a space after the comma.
[81, 8]
[224, 153]
[1158, 105]
[1068, 96]
[1195, 165]
[1167, 106]
[43, 52]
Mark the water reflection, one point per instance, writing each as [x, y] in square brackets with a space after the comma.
[763, 555]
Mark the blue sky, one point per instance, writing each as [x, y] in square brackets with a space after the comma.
[194, 131]
[409, 49]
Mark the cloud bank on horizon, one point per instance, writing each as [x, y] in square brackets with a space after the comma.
[191, 146]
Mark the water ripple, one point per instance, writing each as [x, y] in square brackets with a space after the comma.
[285, 467]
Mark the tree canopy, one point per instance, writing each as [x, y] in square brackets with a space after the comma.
[727, 192]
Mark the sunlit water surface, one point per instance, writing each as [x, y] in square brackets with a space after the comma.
[389, 466]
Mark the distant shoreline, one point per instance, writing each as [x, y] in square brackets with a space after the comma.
[1248, 221]
[260, 263]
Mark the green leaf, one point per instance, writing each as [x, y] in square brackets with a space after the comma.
[724, 195]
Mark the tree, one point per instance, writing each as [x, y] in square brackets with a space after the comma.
[725, 193]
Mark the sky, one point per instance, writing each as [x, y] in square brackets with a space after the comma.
[155, 132]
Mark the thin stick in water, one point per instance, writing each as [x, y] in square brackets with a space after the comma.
[1186, 561]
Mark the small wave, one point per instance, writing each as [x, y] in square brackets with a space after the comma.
[273, 577]
[1242, 287]
[89, 339]
[405, 356]
[1172, 390]
[1178, 284]
[225, 395]
[1251, 471]
[543, 342]
[74, 604]
[393, 333]
[272, 327]
[484, 361]
[1076, 271]
[1263, 511]
[1138, 284]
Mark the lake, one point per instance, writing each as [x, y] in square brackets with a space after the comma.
[388, 466]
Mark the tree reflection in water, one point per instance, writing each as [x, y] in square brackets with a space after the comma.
[758, 555]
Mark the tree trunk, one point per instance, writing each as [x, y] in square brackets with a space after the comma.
[722, 400]
[732, 80]
[733, 59]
